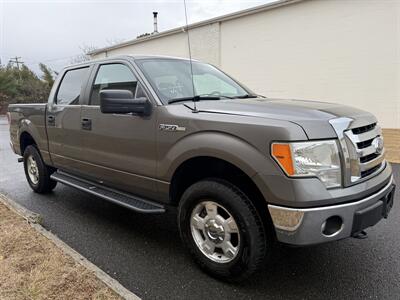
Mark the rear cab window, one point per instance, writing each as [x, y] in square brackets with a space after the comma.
[70, 87]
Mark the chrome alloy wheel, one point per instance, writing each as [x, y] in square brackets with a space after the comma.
[33, 170]
[215, 232]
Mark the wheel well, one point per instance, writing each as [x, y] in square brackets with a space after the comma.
[25, 140]
[199, 168]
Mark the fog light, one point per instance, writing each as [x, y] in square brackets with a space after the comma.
[332, 226]
[285, 218]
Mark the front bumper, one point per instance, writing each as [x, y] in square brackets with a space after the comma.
[308, 226]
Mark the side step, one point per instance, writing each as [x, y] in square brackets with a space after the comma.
[122, 199]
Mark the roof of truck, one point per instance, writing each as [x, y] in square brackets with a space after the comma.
[124, 57]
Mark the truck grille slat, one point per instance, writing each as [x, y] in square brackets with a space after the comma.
[365, 136]
[363, 129]
[366, 151]
[371, 163]
[368, 157]
[370, 171]
[365, 144]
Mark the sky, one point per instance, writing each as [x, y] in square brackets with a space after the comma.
[53, 32]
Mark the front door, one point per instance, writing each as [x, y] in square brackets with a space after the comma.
[119, 149]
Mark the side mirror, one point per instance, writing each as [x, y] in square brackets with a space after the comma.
[122, 102]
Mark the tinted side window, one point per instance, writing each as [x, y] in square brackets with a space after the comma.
[70, 87]
[112, 77]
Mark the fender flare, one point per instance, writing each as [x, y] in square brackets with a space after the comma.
[217, 145]
[26, 126]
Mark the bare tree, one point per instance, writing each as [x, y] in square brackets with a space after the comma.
[114, 41]
[84, 56]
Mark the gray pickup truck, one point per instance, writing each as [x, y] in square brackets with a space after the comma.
[243, 171]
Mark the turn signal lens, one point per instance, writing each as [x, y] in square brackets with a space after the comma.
[283, 154]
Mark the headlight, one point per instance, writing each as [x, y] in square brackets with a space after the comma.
[319, 158]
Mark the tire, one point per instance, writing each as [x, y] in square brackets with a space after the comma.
[36, 172]
[251, 240]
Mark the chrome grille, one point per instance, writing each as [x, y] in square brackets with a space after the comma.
[361, 150]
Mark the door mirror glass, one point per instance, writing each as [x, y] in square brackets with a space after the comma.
[123, 102]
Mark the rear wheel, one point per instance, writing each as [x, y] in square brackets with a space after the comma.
[222, 230]
[36, 172]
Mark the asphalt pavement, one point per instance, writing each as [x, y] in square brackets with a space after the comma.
[144, 252]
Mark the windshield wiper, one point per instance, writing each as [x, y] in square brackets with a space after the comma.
[247, 96]
[198, 98]
[193, 98]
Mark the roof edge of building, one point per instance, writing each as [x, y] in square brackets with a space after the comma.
[234, 15]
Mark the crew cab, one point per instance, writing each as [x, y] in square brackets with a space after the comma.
[242, 171]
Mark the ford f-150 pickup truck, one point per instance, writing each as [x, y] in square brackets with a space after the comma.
[242, 171]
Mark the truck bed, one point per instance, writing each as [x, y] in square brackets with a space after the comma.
[29, 118]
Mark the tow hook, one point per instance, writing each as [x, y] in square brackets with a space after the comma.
[360, 235]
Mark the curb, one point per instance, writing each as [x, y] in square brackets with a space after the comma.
[35, 221]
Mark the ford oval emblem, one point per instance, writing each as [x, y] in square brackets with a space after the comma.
[377, 143]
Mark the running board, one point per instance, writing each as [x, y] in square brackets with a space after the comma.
[126, 200]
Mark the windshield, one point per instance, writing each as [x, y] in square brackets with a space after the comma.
[171, 79]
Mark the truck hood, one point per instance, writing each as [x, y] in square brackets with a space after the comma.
[312, 116]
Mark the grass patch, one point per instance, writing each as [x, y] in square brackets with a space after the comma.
[32, 267]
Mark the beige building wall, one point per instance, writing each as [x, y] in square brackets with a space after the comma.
[339, 51]
[172, 45]
[204, 40]
[328, 50]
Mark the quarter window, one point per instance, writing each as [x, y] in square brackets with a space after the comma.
[112, 77]
[70, 87]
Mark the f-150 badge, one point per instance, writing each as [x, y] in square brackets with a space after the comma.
[171, 127]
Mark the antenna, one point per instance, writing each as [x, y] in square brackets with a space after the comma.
[190, 59]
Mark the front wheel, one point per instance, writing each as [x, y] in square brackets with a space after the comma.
[222, 230]
[36, 172]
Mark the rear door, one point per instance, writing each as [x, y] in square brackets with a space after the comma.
[63, 120]
[119, 149]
